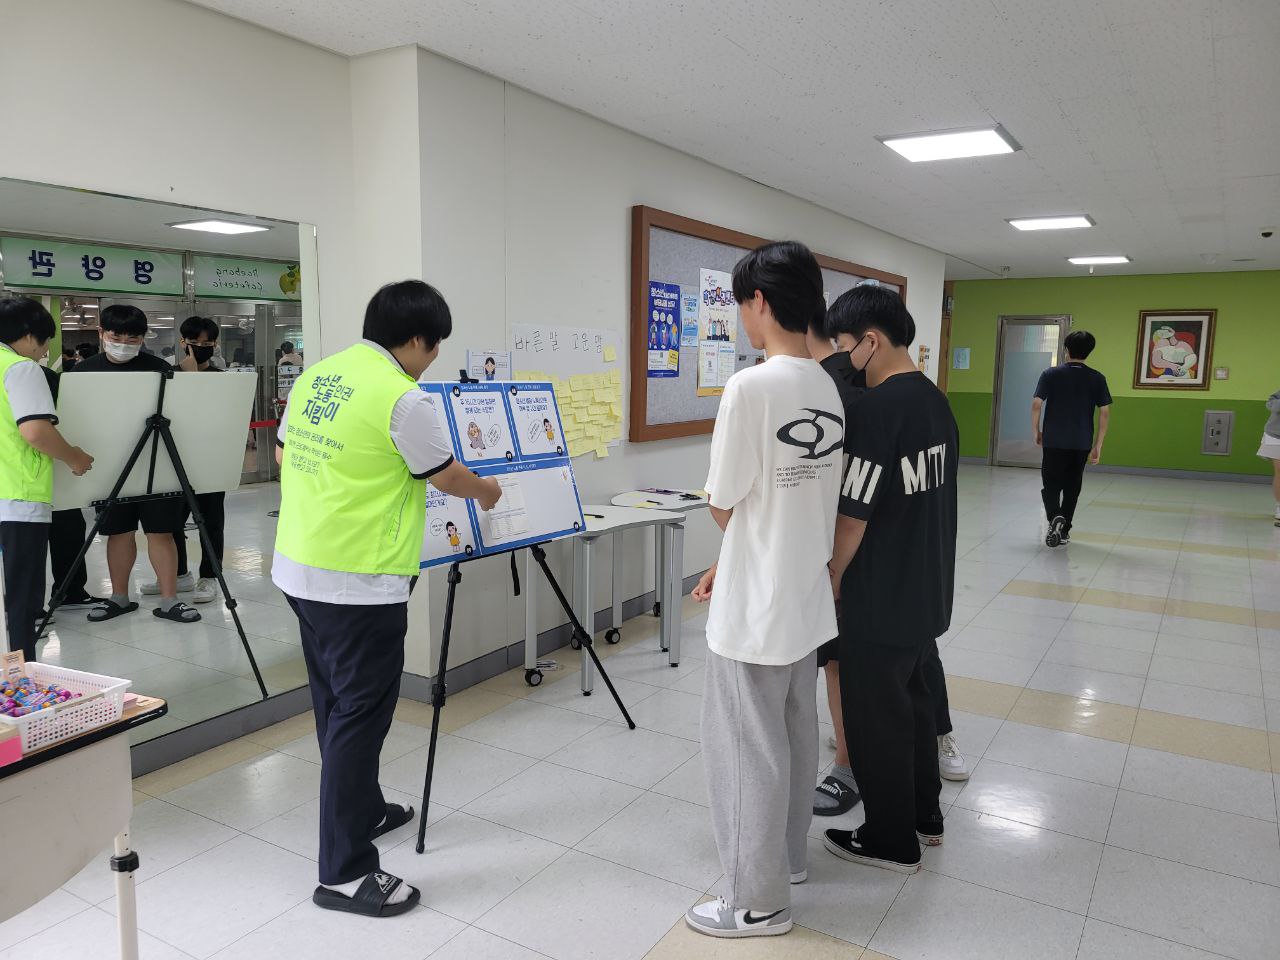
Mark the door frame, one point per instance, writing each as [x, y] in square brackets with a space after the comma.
[1063, 320]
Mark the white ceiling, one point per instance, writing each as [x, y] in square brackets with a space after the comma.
[45, 210]
[1160, 118]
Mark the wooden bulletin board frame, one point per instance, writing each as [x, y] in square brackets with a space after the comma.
[643, 219]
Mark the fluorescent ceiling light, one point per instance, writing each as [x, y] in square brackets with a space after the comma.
[1095, 261]
[220, 226]
[1070, 222]
[952, 144]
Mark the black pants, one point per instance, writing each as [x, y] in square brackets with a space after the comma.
[213, 509]
[66, 537]
[1062, 473]
[936, 678]
[24, 546]
[893, 746]
[354, 655]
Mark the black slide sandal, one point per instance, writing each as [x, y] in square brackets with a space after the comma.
[846, 798]
[370, 899]
[397, 817]
[109, 610]
[178, 613]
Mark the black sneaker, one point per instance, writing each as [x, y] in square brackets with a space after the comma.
[929, 832]
[844, 796]
[80, 603]
[1054, 537]
[1065, 538]
[844, 844]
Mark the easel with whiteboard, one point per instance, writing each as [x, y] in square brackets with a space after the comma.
[126, 422]
[510, 431]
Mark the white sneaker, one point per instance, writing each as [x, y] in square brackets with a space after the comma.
[951, 762]
[206, 590]
[716, 918]
[186, 583]
[1278, 514]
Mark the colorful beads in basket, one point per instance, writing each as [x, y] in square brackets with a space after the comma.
[29, 696]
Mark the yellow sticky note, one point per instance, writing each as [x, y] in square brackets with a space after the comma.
[610, 434]
[580, 381]
[602, 452]
[577, 448]
[610, 354]
[615, 408]
[615, 376]
[598, 408]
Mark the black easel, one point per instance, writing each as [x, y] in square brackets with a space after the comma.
[438, 693]
[157, 431]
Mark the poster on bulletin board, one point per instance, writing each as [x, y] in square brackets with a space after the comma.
[512, 432]
[664, 330]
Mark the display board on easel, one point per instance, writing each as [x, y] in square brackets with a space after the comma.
[686, 339]
[511, 431]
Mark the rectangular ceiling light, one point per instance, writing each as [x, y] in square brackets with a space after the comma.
[952, 144]
[219, 226]
[1097, 261]
[1070, 222]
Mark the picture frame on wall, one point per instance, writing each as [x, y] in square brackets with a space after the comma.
[1175, 350]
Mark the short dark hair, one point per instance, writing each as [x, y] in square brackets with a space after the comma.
[871, 305]
[286, 347]
[788, 276]
[68, 350]
[1080, 344]
[124, 318]
[22, 315]
[192, 327]
[401, 311]
[86, 350]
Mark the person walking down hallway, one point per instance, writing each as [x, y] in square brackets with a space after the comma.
[1062, 419]
[1270, 448]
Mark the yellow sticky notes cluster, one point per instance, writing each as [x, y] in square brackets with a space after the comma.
[590, 407]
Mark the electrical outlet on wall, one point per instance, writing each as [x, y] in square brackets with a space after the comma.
[1221, 373]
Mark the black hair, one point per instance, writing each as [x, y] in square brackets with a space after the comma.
[192, 327]
[124, 318]
[788, 275]
[1080, 344]
[86, 350]
[68, 350]
[401, 311]
[489, 360]
[286, 347]
[22, 315]
[870, 305]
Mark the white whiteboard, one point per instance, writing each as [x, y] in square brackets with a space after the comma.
[106, 413]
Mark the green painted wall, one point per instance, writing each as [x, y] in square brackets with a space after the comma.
[1149, 428]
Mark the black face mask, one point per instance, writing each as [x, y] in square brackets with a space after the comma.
[201, 354]
[862, 370]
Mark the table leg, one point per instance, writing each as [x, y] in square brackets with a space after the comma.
[660, 569]
[585, 614]
[615, 591]
[126, 902]
[675, 599]
[530, 616]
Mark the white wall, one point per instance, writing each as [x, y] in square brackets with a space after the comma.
[522, 196]
[166, 101]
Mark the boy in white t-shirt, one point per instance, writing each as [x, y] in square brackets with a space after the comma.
[774, 484]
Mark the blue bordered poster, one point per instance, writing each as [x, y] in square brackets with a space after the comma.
[510, 431]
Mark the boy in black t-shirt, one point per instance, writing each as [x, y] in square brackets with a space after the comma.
[894, 569]
[1072, 392]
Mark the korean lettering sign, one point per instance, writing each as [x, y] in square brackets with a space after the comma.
[68, 265]
[234, 278]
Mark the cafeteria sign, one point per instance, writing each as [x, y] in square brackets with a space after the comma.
[234, 278]
[87, 267]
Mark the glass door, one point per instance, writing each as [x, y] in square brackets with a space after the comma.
[1026, 347]
[240, 351]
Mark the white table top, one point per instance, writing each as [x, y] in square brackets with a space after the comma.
[603, 520]
[661, 501]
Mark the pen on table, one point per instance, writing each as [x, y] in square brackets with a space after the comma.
[597, 516]
[656, 503]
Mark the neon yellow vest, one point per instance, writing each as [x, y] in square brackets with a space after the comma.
[347, 499]
[25, 472]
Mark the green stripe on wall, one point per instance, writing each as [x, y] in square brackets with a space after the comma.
[1144, 432]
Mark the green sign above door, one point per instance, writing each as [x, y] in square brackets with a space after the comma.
[89, 268]
[235, 278]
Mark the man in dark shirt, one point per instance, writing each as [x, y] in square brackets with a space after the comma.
[893, 568]
[1072, 391]
[124, 327]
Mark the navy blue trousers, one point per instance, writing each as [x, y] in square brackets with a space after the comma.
[354, 655]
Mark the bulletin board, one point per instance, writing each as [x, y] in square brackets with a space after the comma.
[685, 262]
[510, 431]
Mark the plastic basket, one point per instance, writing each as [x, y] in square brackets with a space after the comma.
[102, 703]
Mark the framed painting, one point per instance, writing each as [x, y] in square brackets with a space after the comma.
[1175, 349]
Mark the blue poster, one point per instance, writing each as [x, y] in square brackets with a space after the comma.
[689, 320]
[664, 329]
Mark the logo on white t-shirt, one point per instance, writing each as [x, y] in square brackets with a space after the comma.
[810, 435]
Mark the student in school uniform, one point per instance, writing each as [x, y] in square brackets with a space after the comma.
[772, 484]
[894, 567]
[29, 443]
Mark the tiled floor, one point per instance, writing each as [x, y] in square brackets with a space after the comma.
[1119, 700]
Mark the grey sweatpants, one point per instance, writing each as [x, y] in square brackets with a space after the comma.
[760, 748]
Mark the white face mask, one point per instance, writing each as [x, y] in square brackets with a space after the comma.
[121, 352]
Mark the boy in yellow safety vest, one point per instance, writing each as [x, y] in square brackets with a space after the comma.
[29, 443]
